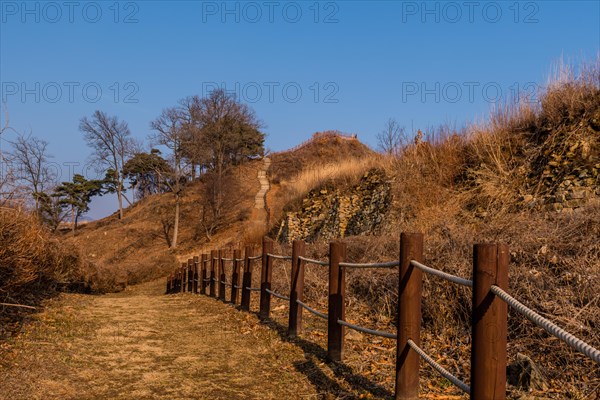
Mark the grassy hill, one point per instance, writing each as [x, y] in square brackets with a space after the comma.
[528, 177]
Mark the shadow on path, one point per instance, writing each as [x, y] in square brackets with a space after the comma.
[323, 383]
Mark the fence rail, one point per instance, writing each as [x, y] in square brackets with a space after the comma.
[490, 303]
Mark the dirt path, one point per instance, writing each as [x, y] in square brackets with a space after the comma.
[259, 201]
[141, 344]
[259, 212]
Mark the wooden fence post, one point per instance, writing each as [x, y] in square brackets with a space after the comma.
[265, 279]
[235, 275]
[297, 288]
[169, 284]
[337, 306]
[221, 275]
[213, 274]
[190, 275]
[196, 272]
[409, 316]
[179, 281]
[246, 279]
[203, 283]
[489, 322]
[183, 277]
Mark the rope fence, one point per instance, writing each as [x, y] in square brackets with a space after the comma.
[490, 302]
[277, 295]
[278, 257]
[548, 326]
[391, 264]
[312, 261]
[442, 371]
[312, 310]
[442, 274]
[367, 330]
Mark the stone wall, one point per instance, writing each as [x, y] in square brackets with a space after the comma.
[570, 175]
[333, 212]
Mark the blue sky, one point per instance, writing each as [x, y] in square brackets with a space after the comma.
[303, 66]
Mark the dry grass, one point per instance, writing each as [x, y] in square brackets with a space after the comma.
[343, 173]
[32, 261]
[459, 188]
[142, 344]
[465, 187]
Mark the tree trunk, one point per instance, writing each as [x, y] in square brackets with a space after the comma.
[120, 197]
[176, 224]
[73, 226]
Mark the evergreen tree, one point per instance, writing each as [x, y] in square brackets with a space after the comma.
[77, 195]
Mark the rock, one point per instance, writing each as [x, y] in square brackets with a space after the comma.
[332, 212]
[525, 374]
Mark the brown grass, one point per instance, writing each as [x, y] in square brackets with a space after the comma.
[459, 188]
[466, 187]
[343, 173]
[31, 259]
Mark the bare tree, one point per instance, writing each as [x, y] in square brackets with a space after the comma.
[169, 133]
[227, 132]
[391, 138]
[112, 144]
[30, 157]
[7, 176]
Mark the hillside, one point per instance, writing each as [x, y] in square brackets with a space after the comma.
[529, 177]
[135, 249]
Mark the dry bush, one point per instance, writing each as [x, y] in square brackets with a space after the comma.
[30, 256]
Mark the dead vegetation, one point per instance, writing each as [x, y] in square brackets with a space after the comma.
[471, 186]
[33, 265]
[457, 187]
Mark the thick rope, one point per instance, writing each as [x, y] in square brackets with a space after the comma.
[18, 305]
[310, 260]
[441, 274]
[255, 257]
[390, 264]
[463, 386]
[548, 326]
[367, 330]
[253, 289]
[312, 310]
[277, 295]
[278, 257]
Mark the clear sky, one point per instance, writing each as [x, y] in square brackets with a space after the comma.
[303, 66]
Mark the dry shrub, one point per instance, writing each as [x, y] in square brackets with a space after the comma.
[32, 262]
[425, 174]
[571, 94]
